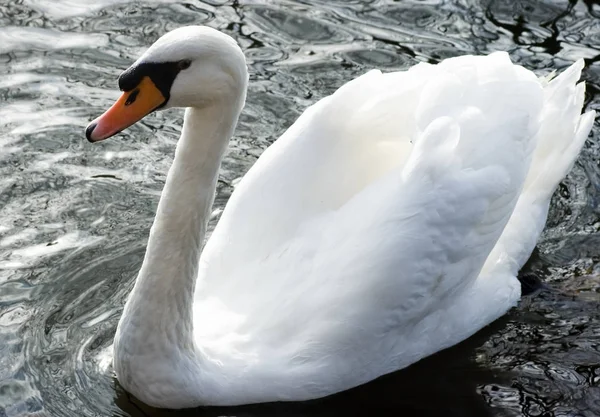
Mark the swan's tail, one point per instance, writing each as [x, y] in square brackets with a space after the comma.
[560, 139]
[563, 133]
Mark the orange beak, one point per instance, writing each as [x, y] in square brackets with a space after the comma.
[131, 107]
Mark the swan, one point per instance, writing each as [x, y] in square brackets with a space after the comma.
[387, 223]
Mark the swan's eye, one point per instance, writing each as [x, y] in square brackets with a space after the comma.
[184, 64]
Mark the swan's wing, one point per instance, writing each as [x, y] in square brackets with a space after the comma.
[339, 147]
[410, 237]
[420, 234]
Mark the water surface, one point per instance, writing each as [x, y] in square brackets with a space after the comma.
[74, 218]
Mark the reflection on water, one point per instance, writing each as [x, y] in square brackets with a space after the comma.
[74, 218]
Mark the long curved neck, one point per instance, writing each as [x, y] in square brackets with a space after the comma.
[159, 308]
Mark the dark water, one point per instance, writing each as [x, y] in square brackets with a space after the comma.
[74, 217]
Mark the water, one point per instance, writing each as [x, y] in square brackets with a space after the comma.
[74, 218]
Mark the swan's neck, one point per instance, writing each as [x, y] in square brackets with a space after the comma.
[158, 314]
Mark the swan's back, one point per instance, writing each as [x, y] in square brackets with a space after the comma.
[386, 224]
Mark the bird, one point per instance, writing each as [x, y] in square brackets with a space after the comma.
[387, 223]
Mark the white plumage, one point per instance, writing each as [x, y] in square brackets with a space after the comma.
[388, 223]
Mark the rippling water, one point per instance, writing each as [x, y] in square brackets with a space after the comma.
[74, 218]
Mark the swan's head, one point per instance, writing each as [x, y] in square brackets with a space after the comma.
[193, 66]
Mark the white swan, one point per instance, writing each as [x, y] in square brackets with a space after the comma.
[388, 223]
